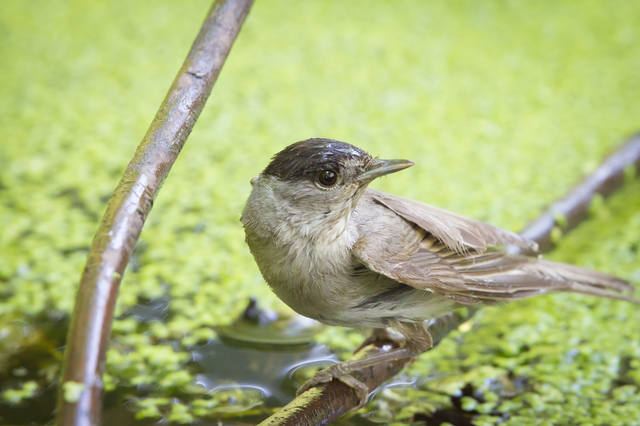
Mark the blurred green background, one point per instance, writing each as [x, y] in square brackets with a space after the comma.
[503, 105]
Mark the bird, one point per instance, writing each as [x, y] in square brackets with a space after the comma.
[344, 254]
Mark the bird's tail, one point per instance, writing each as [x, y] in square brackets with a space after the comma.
[494, 277]
[581, 280]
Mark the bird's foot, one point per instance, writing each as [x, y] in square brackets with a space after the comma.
[339, 371]
[418, 339]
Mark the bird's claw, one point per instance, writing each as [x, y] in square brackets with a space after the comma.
[338, 372]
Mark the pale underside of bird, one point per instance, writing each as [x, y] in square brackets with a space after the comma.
[345, 254]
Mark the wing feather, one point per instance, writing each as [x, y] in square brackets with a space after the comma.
[458, 233]
[465, 265]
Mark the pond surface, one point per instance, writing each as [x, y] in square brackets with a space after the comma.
[503, 105]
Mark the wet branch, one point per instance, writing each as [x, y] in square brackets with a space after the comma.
[327, 402]
[128, 208]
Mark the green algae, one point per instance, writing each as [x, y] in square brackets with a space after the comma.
[15, 396]
[72, 391]
[503, 106]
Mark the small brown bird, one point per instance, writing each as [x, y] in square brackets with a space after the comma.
[344, 254]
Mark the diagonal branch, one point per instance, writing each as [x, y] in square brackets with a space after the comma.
[573, 208]
[327, 402]
[128, 208]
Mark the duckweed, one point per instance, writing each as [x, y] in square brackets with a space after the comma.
[503, 105]
[72, 391]
[15, 396]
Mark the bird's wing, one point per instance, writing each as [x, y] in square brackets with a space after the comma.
[458, 233]
[420, 258]
[434, 267]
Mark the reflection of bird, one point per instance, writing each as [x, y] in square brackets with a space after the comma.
[343, 254]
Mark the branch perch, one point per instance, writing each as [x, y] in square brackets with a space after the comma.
[129, 205]
[327, 402]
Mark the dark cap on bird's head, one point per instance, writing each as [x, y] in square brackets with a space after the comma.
[310, 156]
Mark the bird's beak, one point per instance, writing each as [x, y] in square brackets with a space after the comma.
[380, 167]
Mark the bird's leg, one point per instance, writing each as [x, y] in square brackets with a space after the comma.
[417, 335]
[417, 340]
[382, 336]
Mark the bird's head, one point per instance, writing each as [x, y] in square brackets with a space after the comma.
[322, 178]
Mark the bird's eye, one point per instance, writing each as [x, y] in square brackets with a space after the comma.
[327, 178]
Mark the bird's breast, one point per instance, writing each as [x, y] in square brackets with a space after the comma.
[308, 274]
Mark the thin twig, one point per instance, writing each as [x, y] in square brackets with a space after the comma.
[128, 208]
[327, 402]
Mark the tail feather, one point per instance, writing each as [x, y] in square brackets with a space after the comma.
[581, 280]
[497, 279]
[596, 291]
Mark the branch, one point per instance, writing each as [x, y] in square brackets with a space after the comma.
[573, 208]
[128, 208]
[327, 402]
